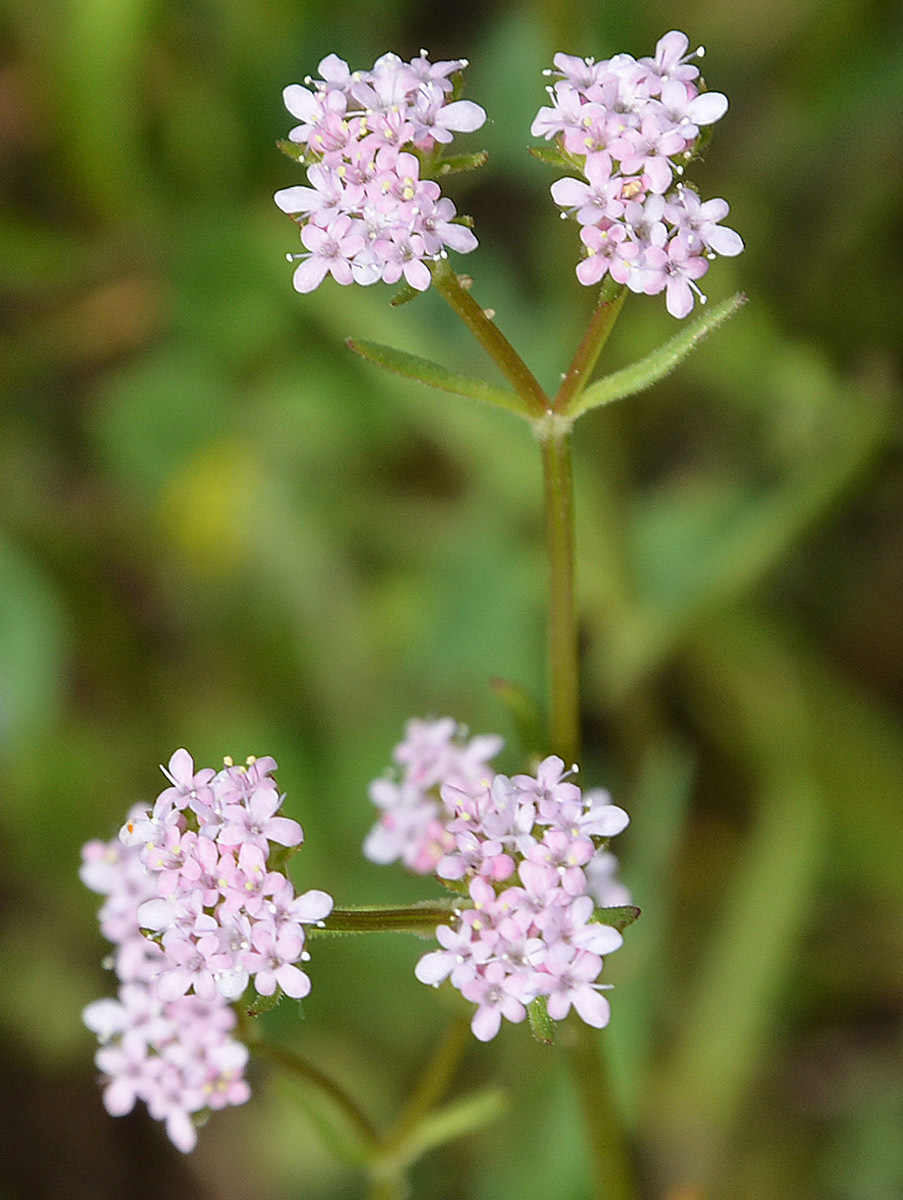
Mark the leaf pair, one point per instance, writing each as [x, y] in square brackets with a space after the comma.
[616, 386]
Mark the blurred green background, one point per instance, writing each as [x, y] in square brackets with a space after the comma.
[219, 530]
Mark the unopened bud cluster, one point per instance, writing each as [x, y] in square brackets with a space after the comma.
[368, 215]
[630, 126]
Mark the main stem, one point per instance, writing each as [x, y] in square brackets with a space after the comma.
[564, 674]
[610, 1156]
[613, 1170]
[611, 1159]
[612, 1165]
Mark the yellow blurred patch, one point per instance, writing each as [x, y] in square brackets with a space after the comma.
[206, 510]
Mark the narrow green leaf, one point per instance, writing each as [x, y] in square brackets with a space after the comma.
[751, 696]
[457, 82]
[659, 363]
[337, 1115]
[293, 150]
[550, 155]
[619, 918]
[437, 376]
[541, 1024]
[280, 856]
[404, 295]
[462, 162]
[337, 1135]
[263, 1004]
[451, 1121]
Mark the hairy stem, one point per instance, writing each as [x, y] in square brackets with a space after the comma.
[564, 683]
[577, 376]
[419, 918]
[490, 338]
[612, 1166]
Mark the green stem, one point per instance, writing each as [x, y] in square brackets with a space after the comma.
[612, 1166]
[610, 1157]
[306, 1071]
[383, 918]
[577, 376]
[564, 681]
[435, 1081]
[612, 1163]
[490, 338]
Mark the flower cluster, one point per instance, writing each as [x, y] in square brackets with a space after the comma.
[524, 847]
[175, 1056]
[193, 873]
[365, 135]
[630, 126]
[413, 826]
[530, 853]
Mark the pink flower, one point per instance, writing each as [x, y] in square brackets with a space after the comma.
[331, 251]
[608, 250]
[671, 61]
[492, 993]
[698, 223]
[368, 216]
[194, 873]
[537, 936]
[594, 200]
[441, 121]
[188, 787]
[632, 126]
[272, 962]
[683, 267]
[432, 755]
[569, 985]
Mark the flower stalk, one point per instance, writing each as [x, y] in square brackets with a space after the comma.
[419, 918]
[608, 306]
[490, 338]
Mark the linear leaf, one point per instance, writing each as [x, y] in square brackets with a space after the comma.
[404, 295]
[342, 1142]
[411, 366]
[293, 150]
[618, 917]
[541, 1024]
[659, 363]
[550, 155]
[450, 1122]
[462, 162]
